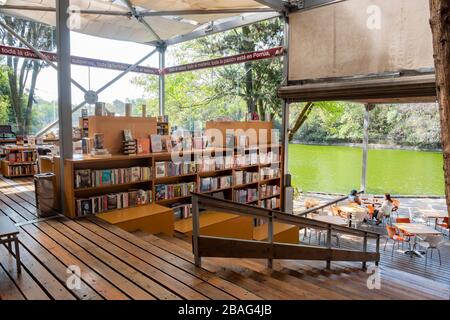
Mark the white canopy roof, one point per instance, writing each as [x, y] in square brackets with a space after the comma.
[152, 28]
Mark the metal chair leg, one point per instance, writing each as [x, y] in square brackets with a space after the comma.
[439, 253]
[16, 242]
[393, 247]
[387, 239]
[426, 257]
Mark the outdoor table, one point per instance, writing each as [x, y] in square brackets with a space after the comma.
[353, 211]
[331, 219]
[433, 214]
[416, 229]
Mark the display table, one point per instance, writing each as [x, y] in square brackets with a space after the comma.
[152, 218]
[283, 233]
[219, 224]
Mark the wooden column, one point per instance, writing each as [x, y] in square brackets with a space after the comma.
[440, 27]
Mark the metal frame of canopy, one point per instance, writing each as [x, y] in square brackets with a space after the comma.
[274, 8]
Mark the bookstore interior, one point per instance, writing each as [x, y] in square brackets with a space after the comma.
[137, 173]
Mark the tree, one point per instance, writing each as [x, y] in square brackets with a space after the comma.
[23, 73]
[440, 27]
[255, 82]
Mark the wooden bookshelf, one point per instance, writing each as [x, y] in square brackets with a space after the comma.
[148, 160]
[24, 163]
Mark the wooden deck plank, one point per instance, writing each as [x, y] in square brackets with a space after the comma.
[196, 283]
[102, 286]
[24, 282]
[167, 255]
[55, 267]
[8, 202]
[8, 289]
[143, 265]
[115, 277]
[131, 273]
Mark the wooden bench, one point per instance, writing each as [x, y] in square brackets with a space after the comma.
[219, 224]
[8, 235]
[152, 218]
[283, 233]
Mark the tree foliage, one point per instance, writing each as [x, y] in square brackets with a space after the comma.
[23, 73]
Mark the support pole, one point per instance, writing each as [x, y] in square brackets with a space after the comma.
[162, 79]
[64, 87]
[285, 115]
[367, 109]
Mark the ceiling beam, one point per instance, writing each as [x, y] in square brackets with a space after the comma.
[221, 27]
[202, 11]
[50, 9]
[278, 5]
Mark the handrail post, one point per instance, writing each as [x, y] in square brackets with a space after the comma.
[364, 264]
[270, 238]
[378, 250]
[329, 246]
[195, 231]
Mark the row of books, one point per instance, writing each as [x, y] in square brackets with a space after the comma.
[182, 211]
[215, 183]
[171, 168]
[111, 201]
[22, 170]
[267, 190]
[272, 203]
[246, 195]
[245, 177]
[269, 173]
[254, 158]
[21, 156]
[87, 178]
[171, 191]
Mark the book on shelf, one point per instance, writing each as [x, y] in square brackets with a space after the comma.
[156, 143]
[246, 195]
[269, 173]
[143, 145]
[86, 178]
[245, 177]
[171, 191]
[182, 210]
[271, 203]
[160, 169]
[127, 135]
[267, 190]
[112, 201]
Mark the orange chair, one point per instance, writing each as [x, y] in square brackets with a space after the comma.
[443, 224]
[396, 238]
[404, 220]
[371, 210]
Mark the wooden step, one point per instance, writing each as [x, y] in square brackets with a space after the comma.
[219, 224]
[283, 233]
[152, 218]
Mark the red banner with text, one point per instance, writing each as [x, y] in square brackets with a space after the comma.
[96, 63]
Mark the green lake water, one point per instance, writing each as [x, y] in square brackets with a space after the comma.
[338, 169]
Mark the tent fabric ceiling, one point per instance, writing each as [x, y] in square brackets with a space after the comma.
[129, 29]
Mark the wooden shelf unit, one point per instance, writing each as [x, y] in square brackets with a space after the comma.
[24, 168]
[126, 161]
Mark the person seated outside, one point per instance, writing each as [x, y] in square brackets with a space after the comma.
[385, 209]
[353, 197]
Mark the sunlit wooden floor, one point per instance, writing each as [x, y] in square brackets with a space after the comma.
[115, 264]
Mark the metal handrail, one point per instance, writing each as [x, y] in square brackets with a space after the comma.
[208, 202]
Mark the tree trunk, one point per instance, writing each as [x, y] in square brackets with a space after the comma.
[301, 118]
[248, 46]
[29, 110]
[440, 27]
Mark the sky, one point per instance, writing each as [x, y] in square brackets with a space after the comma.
[105, 49]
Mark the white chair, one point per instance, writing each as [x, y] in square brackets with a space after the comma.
[430, 243]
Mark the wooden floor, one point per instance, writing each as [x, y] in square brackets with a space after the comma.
[114, 264]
